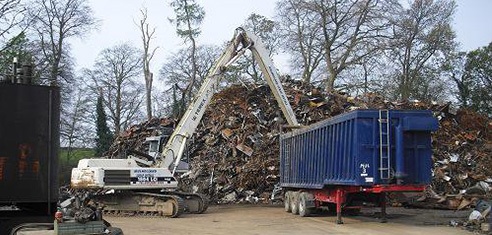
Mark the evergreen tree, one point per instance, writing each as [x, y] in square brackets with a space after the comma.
[104, 136]
[17, 47]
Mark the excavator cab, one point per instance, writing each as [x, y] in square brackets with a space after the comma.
[155, 145]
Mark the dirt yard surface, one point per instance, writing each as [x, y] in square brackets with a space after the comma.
[240, 219]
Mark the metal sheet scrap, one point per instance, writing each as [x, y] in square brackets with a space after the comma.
[234, 154]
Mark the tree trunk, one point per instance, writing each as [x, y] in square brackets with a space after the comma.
[148, 89]
[330, 82]
[117, 123]
[193, 57]
[194, 66]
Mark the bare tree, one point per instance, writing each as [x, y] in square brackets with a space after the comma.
[300, 34]
[114, 75]
[350, 30]
[76, 123]
[267, 30]
[55, 21]
[339, 33]
[422, 34]
[148, 54]
[177, 70]
[367, 76]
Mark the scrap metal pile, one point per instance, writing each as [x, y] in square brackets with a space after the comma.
[462, 173]
[234, 154]
[134, 137]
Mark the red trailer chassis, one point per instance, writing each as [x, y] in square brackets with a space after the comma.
[301, 201]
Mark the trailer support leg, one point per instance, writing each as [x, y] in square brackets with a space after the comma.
[339, 198]
[383, 208]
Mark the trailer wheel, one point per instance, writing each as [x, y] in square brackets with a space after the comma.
[294, 202]
[304, 211]
[287, 198]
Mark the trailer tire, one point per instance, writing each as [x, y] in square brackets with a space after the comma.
[287, 198]
[294, 202]
[304, 211]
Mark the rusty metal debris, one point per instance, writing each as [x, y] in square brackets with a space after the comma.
[134, 137]
[234, 154]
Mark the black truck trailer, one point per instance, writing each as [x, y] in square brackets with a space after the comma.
[29, 148]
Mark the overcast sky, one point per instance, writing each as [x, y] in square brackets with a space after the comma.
[117, 25]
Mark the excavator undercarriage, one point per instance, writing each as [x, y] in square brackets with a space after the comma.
[168, 204]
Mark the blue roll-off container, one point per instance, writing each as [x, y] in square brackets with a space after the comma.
[346, 150]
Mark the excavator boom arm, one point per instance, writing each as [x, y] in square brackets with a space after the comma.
[272, 77]
[242, 41]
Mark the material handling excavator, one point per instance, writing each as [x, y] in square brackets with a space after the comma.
[150, 186]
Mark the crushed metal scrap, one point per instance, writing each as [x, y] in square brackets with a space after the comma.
[133, 138]
[234, 152]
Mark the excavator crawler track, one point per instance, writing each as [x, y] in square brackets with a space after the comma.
[141, 204]
[194, 203]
